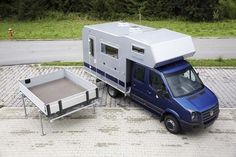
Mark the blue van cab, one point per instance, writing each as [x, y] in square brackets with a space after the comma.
[176, 94]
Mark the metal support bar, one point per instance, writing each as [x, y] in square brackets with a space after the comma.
[94, 109]
[66, 114]
[41, 122]
[23, 100]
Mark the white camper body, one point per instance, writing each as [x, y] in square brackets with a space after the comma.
[109, 48]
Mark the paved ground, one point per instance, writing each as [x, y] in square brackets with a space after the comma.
[111, 132]
[214, 48]
[221, 81]
[119, 127]
[20, 52]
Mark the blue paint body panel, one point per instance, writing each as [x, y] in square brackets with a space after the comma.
[173, 67]
[121, 83]
[203, 102]
[100, 72]
[110, 77]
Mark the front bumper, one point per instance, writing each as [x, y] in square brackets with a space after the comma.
[187, 126]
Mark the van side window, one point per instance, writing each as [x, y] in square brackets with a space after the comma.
[137, 49]
[155, 80]
[109, 50]
[91, 46]
[139, 73]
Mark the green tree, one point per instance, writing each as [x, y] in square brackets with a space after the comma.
[195, 10]
[82, 6]
[7, 8]
[102, 8]
[200, 10]
[30, 9]
[228, 8]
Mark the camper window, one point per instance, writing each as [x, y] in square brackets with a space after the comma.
[91, 46]
[109, 50]
[137, 49]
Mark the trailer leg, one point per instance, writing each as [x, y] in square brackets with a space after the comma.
[41, 123]
[94, 109]
[23, 100]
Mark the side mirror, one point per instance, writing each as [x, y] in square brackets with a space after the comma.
[159, 92]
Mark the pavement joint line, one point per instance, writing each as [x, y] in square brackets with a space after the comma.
[228, 108]
[214, 67]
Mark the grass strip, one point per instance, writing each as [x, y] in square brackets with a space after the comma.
[200, 63]
[47, 29]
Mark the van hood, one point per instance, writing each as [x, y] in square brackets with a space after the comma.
[199, 101]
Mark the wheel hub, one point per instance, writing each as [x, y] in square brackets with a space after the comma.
[111, 91]
[170, 124]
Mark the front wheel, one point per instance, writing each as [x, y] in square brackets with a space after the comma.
[112, 91]
[172, 124]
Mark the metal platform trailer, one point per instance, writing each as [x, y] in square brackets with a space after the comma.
[58, 94]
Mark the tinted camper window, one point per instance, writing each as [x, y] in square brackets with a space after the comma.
[91, 46]
[137, 49]
[139, 73]
[109, 50]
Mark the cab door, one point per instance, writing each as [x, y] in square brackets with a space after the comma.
[155, 83]
[139, 83]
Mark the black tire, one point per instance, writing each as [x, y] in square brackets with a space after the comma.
[112, 91]
[172, 124]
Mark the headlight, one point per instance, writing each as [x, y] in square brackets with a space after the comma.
[194, 116]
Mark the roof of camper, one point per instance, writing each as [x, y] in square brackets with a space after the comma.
[143, 34]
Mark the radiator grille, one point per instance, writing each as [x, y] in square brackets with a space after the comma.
[209, 115]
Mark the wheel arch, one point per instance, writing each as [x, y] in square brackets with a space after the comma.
[171, 112]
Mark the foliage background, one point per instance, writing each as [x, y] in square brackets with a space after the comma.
[194, 10]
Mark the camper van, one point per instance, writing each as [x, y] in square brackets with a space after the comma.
[149, 66]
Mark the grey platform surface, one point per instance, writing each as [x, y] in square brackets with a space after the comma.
[56, 90]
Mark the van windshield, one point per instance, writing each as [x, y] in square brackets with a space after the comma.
[183, 83]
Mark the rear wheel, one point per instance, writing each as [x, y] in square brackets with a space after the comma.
[112, 91]
[172, 124]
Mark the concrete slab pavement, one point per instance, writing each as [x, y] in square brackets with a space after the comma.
[113, 132]
[221, 81]
[120, 127]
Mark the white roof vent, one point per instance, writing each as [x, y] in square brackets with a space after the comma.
[135, 28]
[123, 24]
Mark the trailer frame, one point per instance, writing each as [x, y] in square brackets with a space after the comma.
[62, 107]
